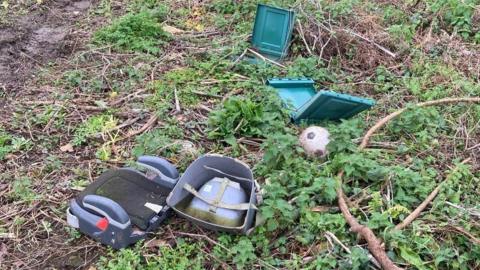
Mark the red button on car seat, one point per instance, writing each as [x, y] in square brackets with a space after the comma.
[102, 224]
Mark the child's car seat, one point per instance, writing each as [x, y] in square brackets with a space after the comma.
[123, 205]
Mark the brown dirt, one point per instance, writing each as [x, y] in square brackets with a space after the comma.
[43, 35]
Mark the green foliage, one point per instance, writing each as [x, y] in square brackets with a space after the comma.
[457, 14]
[246, 117]
[233, 15]
[359, 258]
[183, 256]
[11, 144]
[22, 190]
[311, 68]
[412, 257]
[123, 259]
[360, 166]
[280, 150]
[243, 253]
[140, 32]
[339, 8]
[94, 125]
[323, 222]
[342, 135]
[156, 143]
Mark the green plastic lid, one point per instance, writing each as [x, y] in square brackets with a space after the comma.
[307, 105]
[273, 30]
[294, 92]
[328, 105]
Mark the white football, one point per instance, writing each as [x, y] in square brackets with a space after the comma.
[314, 141]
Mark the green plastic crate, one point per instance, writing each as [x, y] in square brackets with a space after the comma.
[272, 31]
[311, 106]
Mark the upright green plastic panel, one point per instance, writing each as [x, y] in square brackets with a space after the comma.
[307, 105]
[272, 31]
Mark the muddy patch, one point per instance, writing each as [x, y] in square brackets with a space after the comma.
[41, 36]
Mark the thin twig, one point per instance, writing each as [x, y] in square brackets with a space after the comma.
[266, 59]
[238, 58]
[127, 97]
[469, 211]
[302, 35]
[334, 237]
[385, 50]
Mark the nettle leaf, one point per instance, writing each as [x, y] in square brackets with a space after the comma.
[379, 220]
[244, 116]
[323, 188]
[412, 258]
[359, 258]
[244, 253]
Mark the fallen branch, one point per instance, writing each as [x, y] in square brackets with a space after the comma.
[374, 244]
[419, 209]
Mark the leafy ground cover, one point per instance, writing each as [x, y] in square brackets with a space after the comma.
[162, 78]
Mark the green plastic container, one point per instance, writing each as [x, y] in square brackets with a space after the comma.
[272, 31]
[311, 106]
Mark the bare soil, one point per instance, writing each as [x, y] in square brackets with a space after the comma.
[37, 38]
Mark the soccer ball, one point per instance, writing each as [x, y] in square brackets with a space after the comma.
[314, 141]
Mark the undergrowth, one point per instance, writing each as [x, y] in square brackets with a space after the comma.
[140, 32]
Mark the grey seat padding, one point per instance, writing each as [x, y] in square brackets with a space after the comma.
[131, 190]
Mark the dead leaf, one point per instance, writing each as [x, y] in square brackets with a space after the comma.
[172, 30]
[67, 148]
[156, 243]
[92, 268]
